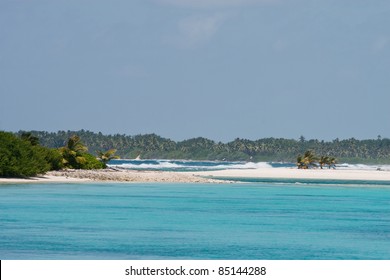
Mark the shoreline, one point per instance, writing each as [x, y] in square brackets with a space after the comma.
[294, 173]
[113, 176]
[133, 176]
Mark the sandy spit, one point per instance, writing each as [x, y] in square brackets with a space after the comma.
[293, 173]
[105, 175]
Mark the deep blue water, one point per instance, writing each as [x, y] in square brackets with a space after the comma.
[258, 220]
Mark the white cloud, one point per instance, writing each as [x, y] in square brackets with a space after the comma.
[198, 30]
[195, 31]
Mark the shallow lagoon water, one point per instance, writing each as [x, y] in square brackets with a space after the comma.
[257, 220]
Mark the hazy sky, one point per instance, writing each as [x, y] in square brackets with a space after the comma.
[220, 69]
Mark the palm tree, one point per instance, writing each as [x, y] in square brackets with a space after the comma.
[300, 162]
[74, 144]
[332, 162]
[324, 160]
[105, 157]
[73, 152]
[307, 160]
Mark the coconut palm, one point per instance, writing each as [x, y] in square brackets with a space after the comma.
[300, 162]
[332, 162]
[324, 160]
[74, 144]
[307, 161]
[105, 157]
[72, 152]
[310, 159]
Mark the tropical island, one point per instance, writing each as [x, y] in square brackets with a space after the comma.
[23, 157]
[152, 146]
[79, 154]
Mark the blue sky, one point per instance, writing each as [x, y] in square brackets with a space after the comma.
[185, 68]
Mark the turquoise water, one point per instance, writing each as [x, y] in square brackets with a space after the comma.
[258, 220]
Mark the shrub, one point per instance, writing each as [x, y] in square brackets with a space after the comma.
[91, 162]
[19, 158]
[74, 155]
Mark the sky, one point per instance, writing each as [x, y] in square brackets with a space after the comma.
[220, 69]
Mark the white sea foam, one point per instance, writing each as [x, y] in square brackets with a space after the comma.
[186, 165]
[346, 166]
[159, 165]
[250, 165]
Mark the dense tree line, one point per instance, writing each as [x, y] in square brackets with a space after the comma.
[267, 149]
[24, 156]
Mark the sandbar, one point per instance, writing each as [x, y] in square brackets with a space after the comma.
[294, 173]
[110, 175]
[119, 175]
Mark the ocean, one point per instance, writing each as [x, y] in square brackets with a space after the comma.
[270, 220]
[190, 165]
[194, 165]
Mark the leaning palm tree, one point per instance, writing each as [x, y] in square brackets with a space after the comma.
[307, 161]
[309, 158]
[105, 157]
[300, 163]
[332, 162]
[75, 144]
[324, 160]
[72, 152]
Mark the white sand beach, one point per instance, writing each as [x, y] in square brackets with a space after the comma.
[42, 179]
[104, 175]
[294, 173]
[74, 176]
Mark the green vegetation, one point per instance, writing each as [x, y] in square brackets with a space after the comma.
[24, 157]
[310, 160]
[105, 157]
[75, 156]
[30, 153]
[267, 149]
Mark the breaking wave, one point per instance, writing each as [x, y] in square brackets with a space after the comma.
[182, 165]
[363, 166]
[192, 165]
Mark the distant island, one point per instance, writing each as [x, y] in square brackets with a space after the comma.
[152, 146]
[27, 154]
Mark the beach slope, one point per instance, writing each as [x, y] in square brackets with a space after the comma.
[104, 175]
[294, 173]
